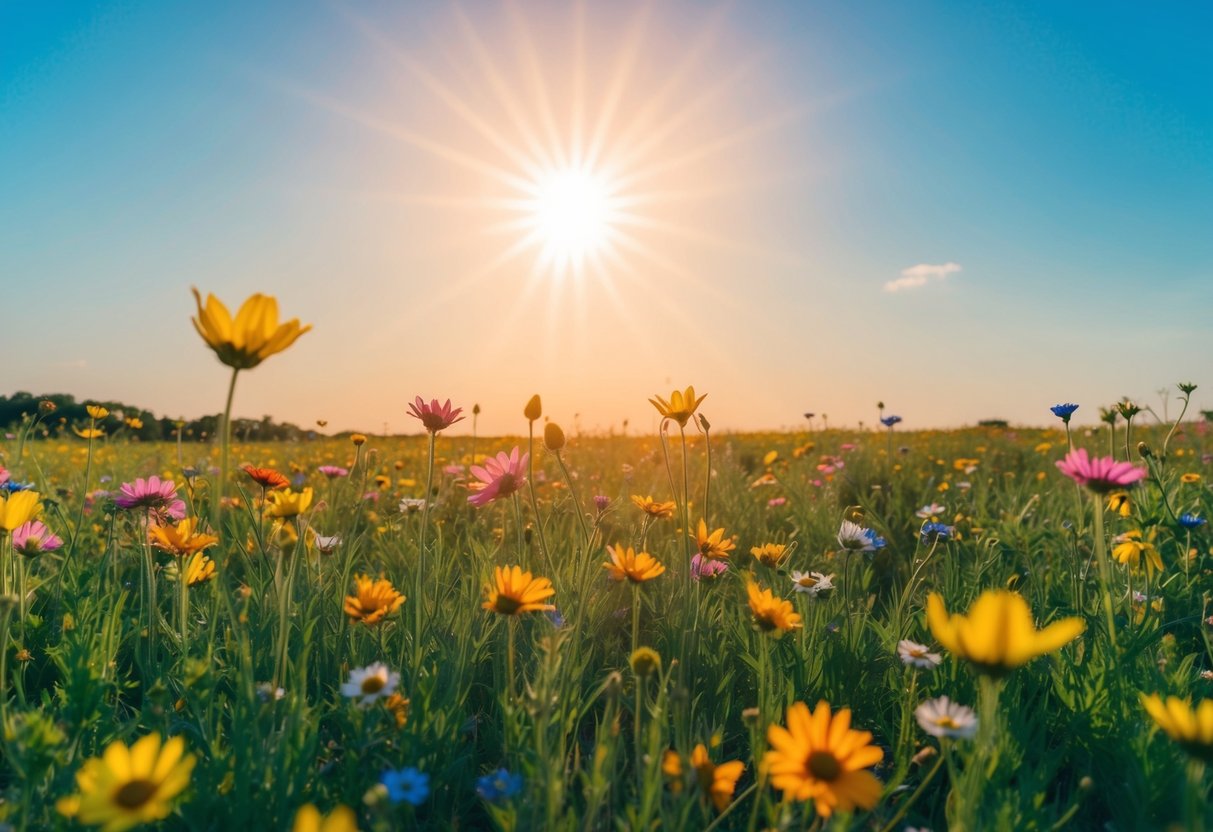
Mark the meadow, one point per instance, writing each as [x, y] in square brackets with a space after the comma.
[826, 629]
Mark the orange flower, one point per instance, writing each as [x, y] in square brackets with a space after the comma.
[771, 614]
[373, 600]
[626, 564]
[514, 592]
[267, 478]
[716, 781]
[713, 545]
[654, 509]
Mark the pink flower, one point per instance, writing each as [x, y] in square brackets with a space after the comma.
[1100, 474]
[3, 475]
[435, 417]
[155, 495]
[32, 538]
[707, 568]
[333, 471]
[499, 477]
[776, 502]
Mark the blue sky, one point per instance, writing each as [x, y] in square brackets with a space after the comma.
[1060, 154]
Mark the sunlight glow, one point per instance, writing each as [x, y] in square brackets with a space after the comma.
[572, 215]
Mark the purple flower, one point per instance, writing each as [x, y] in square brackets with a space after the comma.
[708, 569]
[601, 501]
[32, 538]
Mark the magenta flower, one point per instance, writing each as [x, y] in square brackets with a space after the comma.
[333, 471]
[435, 417]
[156, 495]
[499, 477]
[1100, 474]
[3, 475]
[601, 502]
[32, 538]
[707, 569]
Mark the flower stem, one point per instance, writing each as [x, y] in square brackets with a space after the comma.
[225, 442]
[530, 484]
[1105, 571]
[418, 606]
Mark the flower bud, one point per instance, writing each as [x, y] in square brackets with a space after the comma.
[533, 409]
[358, 439]
[645, 661]
[1144, 450]
[553, 436]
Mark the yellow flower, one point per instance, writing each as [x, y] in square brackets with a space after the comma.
[88, 433]
[134, 423]
[252, 337]
[358, 439]
[182, 539]
[681, 406]
[553, 436]
[1191, 728]
[1130, 547]
[661, 511]
[1118, 503]
[20, 507]
[126, 787]
[769, 554]
[1190, 478]
[713, 545]
[998, 634]
[372, 600]
[96, 411]
[821, 758]
[716, 781]
[514, 592]
[199, 570]
[771, 614]
[309, 819]
[288, 503]
[626, 564]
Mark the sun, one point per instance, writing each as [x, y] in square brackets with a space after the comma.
[570, 214]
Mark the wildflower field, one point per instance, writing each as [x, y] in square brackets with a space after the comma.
[991, 628]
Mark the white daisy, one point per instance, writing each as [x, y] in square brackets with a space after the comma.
[367, 684]
[854, 537]
[944, 718]
[411, 505]
[918, 655]
[933, 510]
[811, 582]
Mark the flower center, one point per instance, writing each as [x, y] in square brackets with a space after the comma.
[134, 794]
[372, 684]
[507, 605]
[507, 484]
[806, 580]
[824, 765]
[946, 722]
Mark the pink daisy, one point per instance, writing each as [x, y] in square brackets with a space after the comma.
[333, 471]
[32, 538]
[435, 417]
[499, 477]
[155, 495]
[1100, 474]
[707, 568]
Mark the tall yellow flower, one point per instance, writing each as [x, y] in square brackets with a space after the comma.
[717, 782]
[820, 758]
[626, 564]
[182, 539]
[654, 509]
[199, 570]
[1191, 727]
[288, 503]
[253, 336]
[771, 614]
[714, 545]
[681, 406]
[88, 433]
[20, 507]
[126, 787]
[372, 600]
[770, 554]
[96, 411]
[998, 634]
[514, 592]
[309, 819]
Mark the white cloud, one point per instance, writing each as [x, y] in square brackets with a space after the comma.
[919, 275]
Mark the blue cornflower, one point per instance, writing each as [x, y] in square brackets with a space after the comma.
[298, 480]
[1064, 411]
[1191, 521]
[935, 530]
[889, 421]
[407, 785]
[12, 486]
[876, 540]
[556, 618]
[498, 786]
